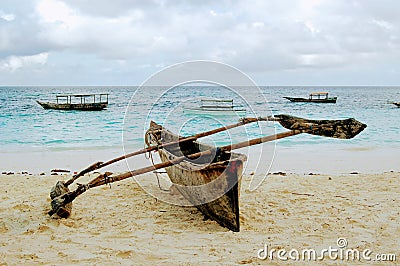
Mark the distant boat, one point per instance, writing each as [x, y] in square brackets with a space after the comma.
[81, 102]
[314, 97]
[396, 103]
[216, 107]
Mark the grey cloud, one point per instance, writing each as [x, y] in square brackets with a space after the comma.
[21, 36]
[256, 36]
[114, 9]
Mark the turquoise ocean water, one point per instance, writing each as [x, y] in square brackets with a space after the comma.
[26, 126]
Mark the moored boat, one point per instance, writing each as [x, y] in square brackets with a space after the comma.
[396, 103]
[82, 102]
[314, 97]
[216, 107]
[211, 183]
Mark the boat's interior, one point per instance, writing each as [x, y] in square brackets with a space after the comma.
[161, 135]
[186, 148]
[191, 147]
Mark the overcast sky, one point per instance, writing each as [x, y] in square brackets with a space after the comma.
[123, 42]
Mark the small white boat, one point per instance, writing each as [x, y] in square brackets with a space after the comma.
[216, 107]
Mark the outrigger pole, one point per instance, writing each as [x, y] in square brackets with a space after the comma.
[99, 165]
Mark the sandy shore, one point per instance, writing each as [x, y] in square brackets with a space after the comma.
[124, 225]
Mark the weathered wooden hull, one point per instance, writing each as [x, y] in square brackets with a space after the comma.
[329, 100]
[214, 188]
[74, 106]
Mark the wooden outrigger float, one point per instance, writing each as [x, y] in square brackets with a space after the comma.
[209, 177]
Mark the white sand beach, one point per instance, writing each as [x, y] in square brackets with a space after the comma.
[124, 225]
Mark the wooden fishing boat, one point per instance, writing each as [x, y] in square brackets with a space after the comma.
[208, 177]
[211, 183]
[216, 107]
[314, 97]
[396, 103]
[81, 102]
